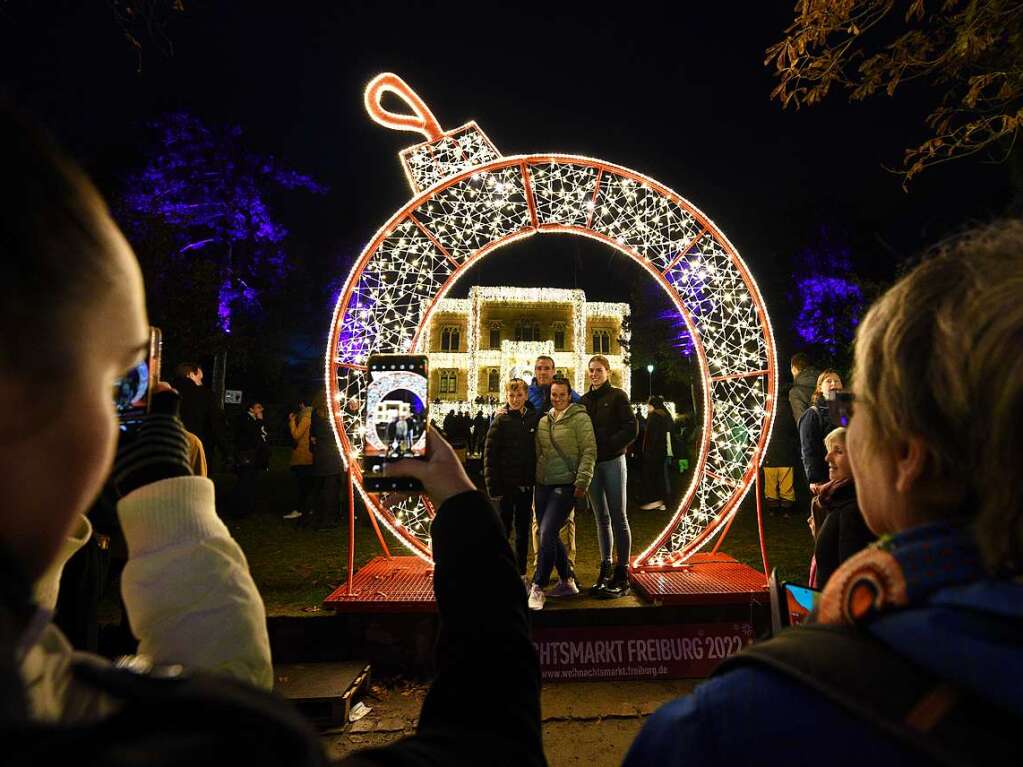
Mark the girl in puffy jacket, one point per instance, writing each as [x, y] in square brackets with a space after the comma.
[566, 451]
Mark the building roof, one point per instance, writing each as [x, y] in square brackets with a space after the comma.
[512, 295]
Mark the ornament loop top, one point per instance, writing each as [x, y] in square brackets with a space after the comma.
[421, 120]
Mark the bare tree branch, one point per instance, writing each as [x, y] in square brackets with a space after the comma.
[971, 50]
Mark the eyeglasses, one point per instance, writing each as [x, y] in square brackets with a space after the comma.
[842, 407]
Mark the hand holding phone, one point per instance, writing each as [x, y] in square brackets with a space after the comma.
[396, 415]
[441, 473]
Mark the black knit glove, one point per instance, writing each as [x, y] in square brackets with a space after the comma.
[158, 449]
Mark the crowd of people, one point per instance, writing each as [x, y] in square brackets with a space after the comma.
[809, 452]
[911, 657]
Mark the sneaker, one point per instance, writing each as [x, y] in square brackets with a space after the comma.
[293, 514]
[653, 506]
[536, 598]
[565, 588]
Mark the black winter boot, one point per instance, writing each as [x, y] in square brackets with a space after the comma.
[618, 586]
[602, 579]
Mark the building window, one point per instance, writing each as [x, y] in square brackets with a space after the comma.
[495, 336]
[450, 339]
[494, 380]
[527, 331]
[559, 339]
[601, 342]
[448, 381]
[561, 373]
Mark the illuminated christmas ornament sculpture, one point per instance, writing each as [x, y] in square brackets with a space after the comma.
[467, 201]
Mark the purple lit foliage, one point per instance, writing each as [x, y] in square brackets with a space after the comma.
[830, 301]
[680, 336]
[211, 192]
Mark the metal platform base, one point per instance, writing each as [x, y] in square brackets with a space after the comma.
[706, 579]
[398, 584]
[693, 617]
[405, 584]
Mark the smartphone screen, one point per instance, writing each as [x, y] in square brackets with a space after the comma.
[133, 391]
[800, 601]
[791, 603]
[397, 414]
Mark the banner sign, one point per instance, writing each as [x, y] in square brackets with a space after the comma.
[619, 653]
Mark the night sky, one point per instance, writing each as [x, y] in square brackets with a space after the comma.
[676, 91]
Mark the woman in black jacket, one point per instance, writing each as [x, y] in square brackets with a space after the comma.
[835, 517]
[614, 426]
[655, 451]
[814, 424]
[509, 467]
[326, 470]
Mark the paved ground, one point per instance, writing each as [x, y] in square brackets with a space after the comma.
[584, 723]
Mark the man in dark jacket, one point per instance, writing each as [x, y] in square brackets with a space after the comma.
[540, 388]
[449, 425]
[252, 458]
[200, 412]
[655, 451]
[804, 383]
[509, 467]
[480, 424]
[780, 461]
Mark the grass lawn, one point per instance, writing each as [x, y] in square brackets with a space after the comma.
[295, 568]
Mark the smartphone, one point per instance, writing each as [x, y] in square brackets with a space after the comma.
[791, 603]
[133, 392]
[396, 417]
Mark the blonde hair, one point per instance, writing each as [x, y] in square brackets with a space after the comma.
[515, 383]
[836, 435]
[938, 358]
[602, 360]
[817, 393]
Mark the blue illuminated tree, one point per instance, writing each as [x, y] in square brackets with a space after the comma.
[209, 196]
[829, 296]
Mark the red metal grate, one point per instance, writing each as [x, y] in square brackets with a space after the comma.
[704, 579]
[398, 584]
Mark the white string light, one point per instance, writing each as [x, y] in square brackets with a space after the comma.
[468, 201]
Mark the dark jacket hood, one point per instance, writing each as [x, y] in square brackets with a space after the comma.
[807, 378]
[979, 619]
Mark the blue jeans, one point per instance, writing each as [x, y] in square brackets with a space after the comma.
[607, 496]
[553, 505]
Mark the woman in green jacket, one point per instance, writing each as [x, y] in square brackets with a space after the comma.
[566, 451]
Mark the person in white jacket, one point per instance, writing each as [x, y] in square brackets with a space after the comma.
[74, 319]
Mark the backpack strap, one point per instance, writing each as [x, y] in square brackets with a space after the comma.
[865, 677]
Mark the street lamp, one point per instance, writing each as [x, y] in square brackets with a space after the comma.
[650, 379]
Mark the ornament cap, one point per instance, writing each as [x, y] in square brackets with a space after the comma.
[444, 153]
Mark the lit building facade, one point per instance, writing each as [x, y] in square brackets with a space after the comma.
[476, 344]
